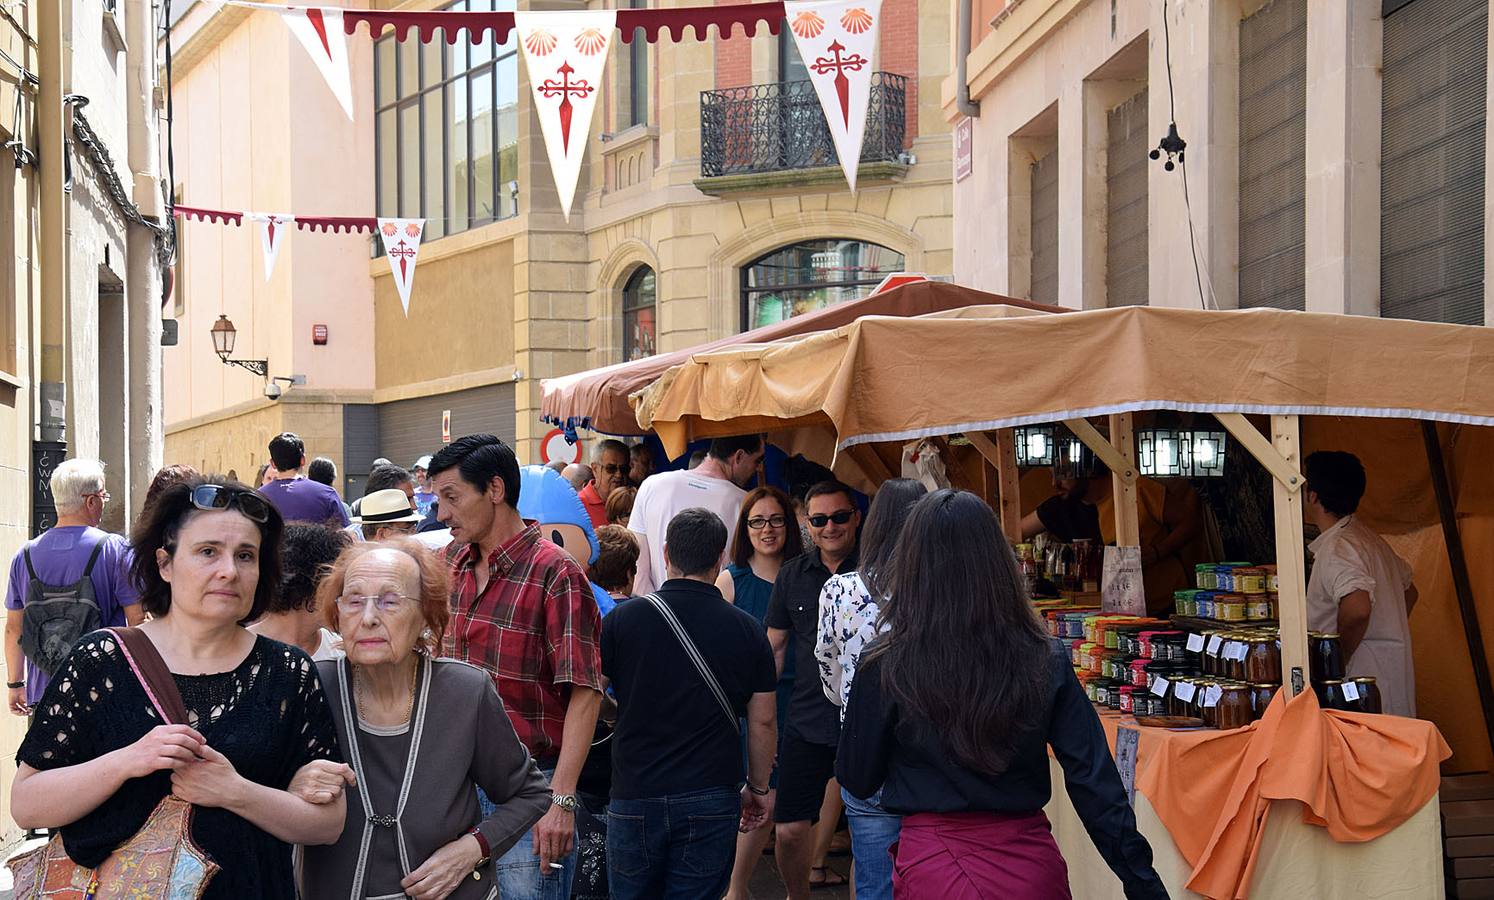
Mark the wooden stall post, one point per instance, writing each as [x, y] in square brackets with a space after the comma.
[1001, 453]
[1119, 453]
[1291, 560]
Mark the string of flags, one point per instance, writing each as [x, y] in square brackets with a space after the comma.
[564, 55]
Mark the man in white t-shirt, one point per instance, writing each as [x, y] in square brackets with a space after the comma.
[1360, 589]
[715, 484]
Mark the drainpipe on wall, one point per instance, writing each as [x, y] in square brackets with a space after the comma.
[963, 103]
[52, 239]
[143, 269]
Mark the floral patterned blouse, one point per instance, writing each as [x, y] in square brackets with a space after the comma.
[848, 623]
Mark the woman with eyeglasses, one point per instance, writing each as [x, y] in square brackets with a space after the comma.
[98, 759]
[767, 536]
[422, 734]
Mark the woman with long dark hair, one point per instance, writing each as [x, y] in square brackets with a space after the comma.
[951, 715]
[849, 605]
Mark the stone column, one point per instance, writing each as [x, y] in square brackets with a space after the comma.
[1342, 253]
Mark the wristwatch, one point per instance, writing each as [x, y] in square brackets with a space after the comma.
[566, 802]
[15, 685]
[487, 852]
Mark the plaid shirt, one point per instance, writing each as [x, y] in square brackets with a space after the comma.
[535, 629]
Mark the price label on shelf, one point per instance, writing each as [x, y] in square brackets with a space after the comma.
[1195, 643]
[1215, 642]
[1185, 691]
[1236, 651]
[1351, 691]
[1159, 686]
[1212, 693]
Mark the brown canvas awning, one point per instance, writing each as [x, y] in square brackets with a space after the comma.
[598, 399]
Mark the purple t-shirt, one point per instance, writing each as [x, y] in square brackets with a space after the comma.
[58, 557]
[304, 500]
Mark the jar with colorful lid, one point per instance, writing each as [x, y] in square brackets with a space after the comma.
[1258, 608]
[1250, 580]
[1138, 672]
[1230, 607]
[1233, 709]
[1203, 606]
[1205, 575]
[1224, 579]
[1127, 693]
[1273, 583]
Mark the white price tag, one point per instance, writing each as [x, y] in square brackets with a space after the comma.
[1185, 691]
[1351, 691]
[1236, 651]
[1212, 693]
[1159, 686]
[1195, 643]
[1214, 644]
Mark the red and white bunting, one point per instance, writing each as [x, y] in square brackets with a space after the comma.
[272, 230]
[402, 245]
[837, 40]
[565, 54]
[320, 31]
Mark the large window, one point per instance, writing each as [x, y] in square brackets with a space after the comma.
[447, 129]
[632, 79]
[640, 315]
[811, 275]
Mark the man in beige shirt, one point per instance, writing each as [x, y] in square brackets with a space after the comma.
[1359, 587]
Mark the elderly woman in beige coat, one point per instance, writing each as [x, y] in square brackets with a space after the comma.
[419, 734]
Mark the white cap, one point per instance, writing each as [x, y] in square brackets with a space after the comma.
[423, 462]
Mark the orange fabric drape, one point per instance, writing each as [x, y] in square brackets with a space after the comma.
[1360, 776]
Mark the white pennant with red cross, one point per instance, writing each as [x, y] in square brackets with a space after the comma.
[319, 29]
[401, 246]
[272, 230]
[565, 53]
[837, 41]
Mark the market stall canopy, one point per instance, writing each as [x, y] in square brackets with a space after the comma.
[598, 398]
[882, 379]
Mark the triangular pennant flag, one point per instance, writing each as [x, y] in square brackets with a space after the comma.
[836, 40]
[272, 230]
[402, 245]
[319, 29]
[565, 53]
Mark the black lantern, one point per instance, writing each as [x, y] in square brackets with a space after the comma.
[224, 336]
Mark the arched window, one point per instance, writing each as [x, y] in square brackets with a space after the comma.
[811, 275]
[640, 324]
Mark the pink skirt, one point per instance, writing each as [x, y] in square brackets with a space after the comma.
[966, 856]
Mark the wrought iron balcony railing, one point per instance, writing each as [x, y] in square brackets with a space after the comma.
[780, 127]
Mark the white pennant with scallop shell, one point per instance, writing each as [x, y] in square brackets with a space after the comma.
[401, 246]
[565, 54]
[837, 41]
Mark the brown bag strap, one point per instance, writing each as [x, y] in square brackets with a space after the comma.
[154, 676]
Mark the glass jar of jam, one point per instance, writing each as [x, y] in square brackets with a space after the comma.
[1250, 580]
[1273, 583]
[1229, 607]
[1262, 660]
[1205, 577]
[1233, 709]
[1258, 608]
[1331, 696]
[1261, 696]
[1127, 694]
[1369, 695]
[1203, 605]
[1325, 656]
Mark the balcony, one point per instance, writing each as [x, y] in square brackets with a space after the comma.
[774, 135]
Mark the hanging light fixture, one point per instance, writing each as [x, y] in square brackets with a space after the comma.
[1074, 458]
[1206, 454]
[1034, 445]
[1173, 453]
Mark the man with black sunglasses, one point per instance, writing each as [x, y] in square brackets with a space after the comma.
[806, 756]
[609, 469]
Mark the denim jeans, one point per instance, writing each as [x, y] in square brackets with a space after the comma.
[519, 875]
[873, 832]
[679, 847]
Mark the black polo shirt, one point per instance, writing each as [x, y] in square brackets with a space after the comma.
[795, 606]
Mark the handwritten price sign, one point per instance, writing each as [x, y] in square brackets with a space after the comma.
[1121, 589]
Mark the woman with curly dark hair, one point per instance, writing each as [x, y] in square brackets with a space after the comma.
[951, 715]
[308, 552]
[98, 759]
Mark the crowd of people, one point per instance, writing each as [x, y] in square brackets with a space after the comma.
[641, 710]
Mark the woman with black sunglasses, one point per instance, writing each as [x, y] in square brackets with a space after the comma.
[98, 759]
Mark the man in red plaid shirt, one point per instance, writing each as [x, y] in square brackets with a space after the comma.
[522, 609]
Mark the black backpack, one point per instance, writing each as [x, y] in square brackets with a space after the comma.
[55, 617]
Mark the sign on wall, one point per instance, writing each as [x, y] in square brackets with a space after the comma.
[964, 156]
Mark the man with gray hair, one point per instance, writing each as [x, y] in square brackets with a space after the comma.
[71, 552]
[609, 467]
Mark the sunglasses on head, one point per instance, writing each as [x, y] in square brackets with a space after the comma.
[839, 517]
[211, 497]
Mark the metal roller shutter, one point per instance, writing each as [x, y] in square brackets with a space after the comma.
[360, 446]
[409, 429]
[1273, 155]
[1432, 161]
[1045, 229]
[1126, 204]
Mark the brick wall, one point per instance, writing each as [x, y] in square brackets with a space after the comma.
[898, 36]
[734, 53]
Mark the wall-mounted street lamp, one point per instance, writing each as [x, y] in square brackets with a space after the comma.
[224, 335]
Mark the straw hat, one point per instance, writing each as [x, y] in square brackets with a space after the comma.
[384, 507]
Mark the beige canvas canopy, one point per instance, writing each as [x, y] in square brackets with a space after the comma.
[598, 399]
[848, 396]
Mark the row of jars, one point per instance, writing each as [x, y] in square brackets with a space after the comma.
[1236, 578]
[1222, 607]
[1219, 703]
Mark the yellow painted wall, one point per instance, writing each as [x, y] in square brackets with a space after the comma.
[239, 439]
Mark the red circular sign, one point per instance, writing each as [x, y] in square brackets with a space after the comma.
[554, 446]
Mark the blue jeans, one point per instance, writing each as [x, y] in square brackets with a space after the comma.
[873, 832]
[679, 847]
[519, 876]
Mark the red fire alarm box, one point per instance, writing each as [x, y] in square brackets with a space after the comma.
[319, 335]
